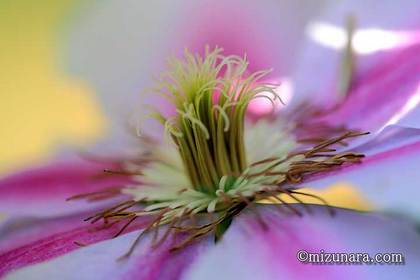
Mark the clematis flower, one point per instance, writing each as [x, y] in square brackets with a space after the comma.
[194, 205]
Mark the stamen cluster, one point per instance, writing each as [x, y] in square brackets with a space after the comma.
[211, 95]
[216, 164]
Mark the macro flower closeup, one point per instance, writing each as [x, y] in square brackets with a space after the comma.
[271, 140]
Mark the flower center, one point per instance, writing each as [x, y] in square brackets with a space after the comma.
[214, 162]
[211, 165]
[211, 95]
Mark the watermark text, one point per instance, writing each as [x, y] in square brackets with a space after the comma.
[323, 257]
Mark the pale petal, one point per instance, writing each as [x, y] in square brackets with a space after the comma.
[250, 252]
[388, 176]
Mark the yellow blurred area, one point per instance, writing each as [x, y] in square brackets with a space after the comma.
[340, 195]
[40, 106]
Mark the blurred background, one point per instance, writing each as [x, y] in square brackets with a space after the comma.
[42, 107]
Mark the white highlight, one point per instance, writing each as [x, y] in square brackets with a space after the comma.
[365, 41]
[409, 105]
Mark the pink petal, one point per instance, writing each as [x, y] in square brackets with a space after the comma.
[43, 191]
[16, 232]
[386, 79]
[383, 95]
[30, 241]
[248, 251]
[99, 260]
[268, 32]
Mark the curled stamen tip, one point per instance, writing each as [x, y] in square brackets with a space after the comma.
[219, 192]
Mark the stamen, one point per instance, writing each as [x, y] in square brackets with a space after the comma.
[329, 208]
[114, 212]
[120, 172]
[125, 226]
[290, 194]
[255, 211]
[107, 193]
[206, 173]
[291, 208]
[80, 244]
[154, 223]
[168, 231]
[214, 143]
